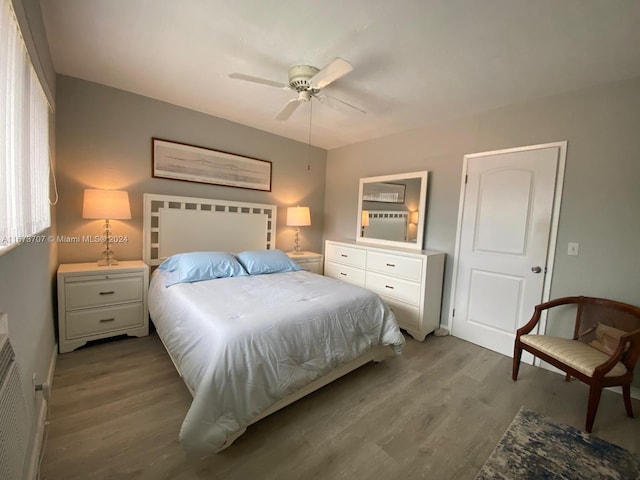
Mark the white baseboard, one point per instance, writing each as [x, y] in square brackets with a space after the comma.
[635, 391]
[37, 451]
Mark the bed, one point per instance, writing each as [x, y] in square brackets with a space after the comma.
[247, 345]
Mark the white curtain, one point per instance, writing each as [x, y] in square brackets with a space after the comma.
[24, 138]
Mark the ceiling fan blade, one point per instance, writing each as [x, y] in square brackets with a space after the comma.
[288, 109]
[326, 99]
[263, 81]
[337, 68]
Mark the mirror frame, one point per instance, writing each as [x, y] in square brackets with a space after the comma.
[423, 175]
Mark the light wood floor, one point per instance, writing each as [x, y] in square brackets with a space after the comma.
[436, 412]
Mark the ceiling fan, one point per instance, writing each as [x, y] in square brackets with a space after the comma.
[307, 81]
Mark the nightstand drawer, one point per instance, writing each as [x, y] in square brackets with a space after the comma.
[394, 287]
[404, 267]
[348, 274]
[313, 266]
[94, 293]
[308, 261]
[98, 320]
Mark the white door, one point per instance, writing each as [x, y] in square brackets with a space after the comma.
[507, 205]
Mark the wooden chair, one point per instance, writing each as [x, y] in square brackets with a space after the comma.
[602, 353]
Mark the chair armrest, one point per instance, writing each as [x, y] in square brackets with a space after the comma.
[632, 354]
[531, 324]
[628, 360]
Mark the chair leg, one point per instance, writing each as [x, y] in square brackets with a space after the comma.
[517, 355]
[595, 391]
[567, 377]
[626, 394]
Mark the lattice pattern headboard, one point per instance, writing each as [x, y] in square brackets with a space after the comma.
[173, 224]
[388, 224]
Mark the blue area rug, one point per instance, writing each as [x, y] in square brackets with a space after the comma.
[535, 447]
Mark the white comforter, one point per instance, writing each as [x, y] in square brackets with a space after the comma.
[243, 343]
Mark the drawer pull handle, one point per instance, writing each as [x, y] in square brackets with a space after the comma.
[343, 255]
[343, 274]
[107, 293]
[105, 320]
[389, 286]
[390, 265]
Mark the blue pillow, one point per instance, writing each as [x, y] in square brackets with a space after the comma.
[198, 266]
[256, 262]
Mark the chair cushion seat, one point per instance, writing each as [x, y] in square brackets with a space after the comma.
[575, 354]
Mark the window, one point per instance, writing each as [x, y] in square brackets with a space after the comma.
[24, 138]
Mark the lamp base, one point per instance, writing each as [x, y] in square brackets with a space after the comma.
[108, 259]
[296, 248]
[107, 263]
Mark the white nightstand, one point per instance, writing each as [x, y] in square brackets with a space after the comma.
[98, 302]
[309, 261]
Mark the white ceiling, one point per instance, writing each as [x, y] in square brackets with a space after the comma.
[415, 61]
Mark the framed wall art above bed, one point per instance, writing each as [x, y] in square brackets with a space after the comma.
[181, 161]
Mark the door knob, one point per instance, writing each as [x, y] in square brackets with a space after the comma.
[536, 269]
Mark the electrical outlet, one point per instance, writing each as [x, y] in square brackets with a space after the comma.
[573, 249]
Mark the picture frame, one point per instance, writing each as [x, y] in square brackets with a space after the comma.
[192, 163]
[384, 192]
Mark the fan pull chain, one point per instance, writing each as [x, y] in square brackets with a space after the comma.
[309, 142]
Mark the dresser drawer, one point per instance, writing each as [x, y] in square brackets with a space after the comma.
[408, 316]
[93, 293]
[94, 321]
[394, 287]
[346, 255]
[399, 266]
[346, 273]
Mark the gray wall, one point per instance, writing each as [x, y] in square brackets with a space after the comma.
[601, 197]
[103, 140]
[27, 272]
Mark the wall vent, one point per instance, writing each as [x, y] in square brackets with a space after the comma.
[15, 422]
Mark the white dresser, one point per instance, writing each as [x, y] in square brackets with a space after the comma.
[409, 281]
[98, 302]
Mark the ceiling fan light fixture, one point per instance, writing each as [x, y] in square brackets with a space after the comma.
[300, 77]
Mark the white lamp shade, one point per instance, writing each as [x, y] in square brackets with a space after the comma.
[414, 217]
[365, 218]
[298, 217]
[106, 204]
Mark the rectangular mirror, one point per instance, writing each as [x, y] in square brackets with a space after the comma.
[392, 209]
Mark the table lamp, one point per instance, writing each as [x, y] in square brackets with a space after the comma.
[109, 205]
[298, 217]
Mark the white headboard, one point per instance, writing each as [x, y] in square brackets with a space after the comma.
[174, 224]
